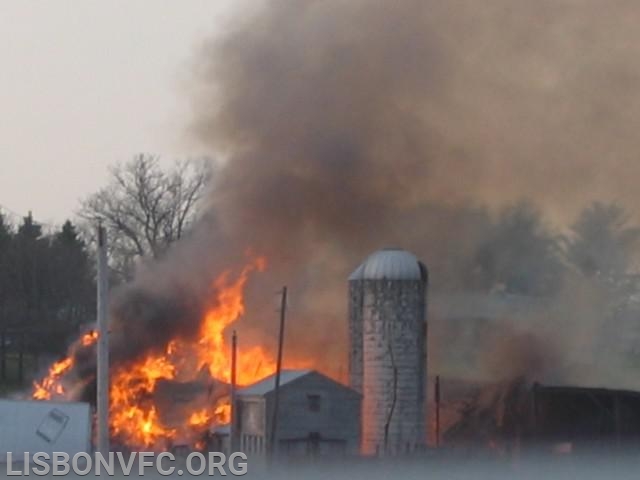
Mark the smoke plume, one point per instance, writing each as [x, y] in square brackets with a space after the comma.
[347, 125]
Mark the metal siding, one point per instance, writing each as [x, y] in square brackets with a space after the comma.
[338, 418]
[252, 415]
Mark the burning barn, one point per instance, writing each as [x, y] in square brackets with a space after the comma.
[513, 416]
[316, 416]
[583, 417]
[387, 358]
[167, 392]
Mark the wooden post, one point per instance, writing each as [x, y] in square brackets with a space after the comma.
[21, 358]
[3, 358]
[534, 434]
[233, 433]
[274, 419]
[617, 418]
[437, 402]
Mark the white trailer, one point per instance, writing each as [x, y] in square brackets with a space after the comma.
[43, 426]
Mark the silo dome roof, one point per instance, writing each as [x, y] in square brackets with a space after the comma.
[390, 264]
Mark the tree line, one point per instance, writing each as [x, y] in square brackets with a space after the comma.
[47, 292]
[579, 283]
[47, 277]
[520, 254]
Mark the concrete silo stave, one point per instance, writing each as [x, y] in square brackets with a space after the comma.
[387, 358]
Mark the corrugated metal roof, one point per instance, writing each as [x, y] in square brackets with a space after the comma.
[390, 264]
[268, 384]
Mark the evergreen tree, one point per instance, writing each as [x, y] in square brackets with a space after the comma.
[72, 288]
[602, 242]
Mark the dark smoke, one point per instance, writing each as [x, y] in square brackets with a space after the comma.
[153, 320]
[349, 125]
[372, 107]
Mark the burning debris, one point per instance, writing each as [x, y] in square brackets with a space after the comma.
[487, 417]
[53, 384]
[178, 392]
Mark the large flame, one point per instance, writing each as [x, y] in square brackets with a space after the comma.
[52, 385]
[212, 352]
[134, 414]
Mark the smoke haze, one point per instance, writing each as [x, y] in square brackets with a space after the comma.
[349, 125]
[371, 107]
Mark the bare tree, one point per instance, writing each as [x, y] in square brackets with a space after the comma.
[145, 207]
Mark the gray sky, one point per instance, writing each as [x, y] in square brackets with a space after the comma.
[84, 84]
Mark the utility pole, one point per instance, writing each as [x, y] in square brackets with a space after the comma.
[437, 402]
[233, 443]
[102, 345]
[276, 392]
[3, 358]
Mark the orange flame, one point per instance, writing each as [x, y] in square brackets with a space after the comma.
[229, 306]
[134, 416]
[136, 421]
[199, 418]
[222, 412]
[89, 338]
[51, 386]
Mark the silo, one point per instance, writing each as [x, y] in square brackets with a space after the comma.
[387, 358]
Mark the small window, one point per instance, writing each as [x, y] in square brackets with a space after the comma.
[313, 401]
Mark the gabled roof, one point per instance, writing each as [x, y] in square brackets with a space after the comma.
[268, 384]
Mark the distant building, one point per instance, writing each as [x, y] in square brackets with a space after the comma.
[317, 416]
